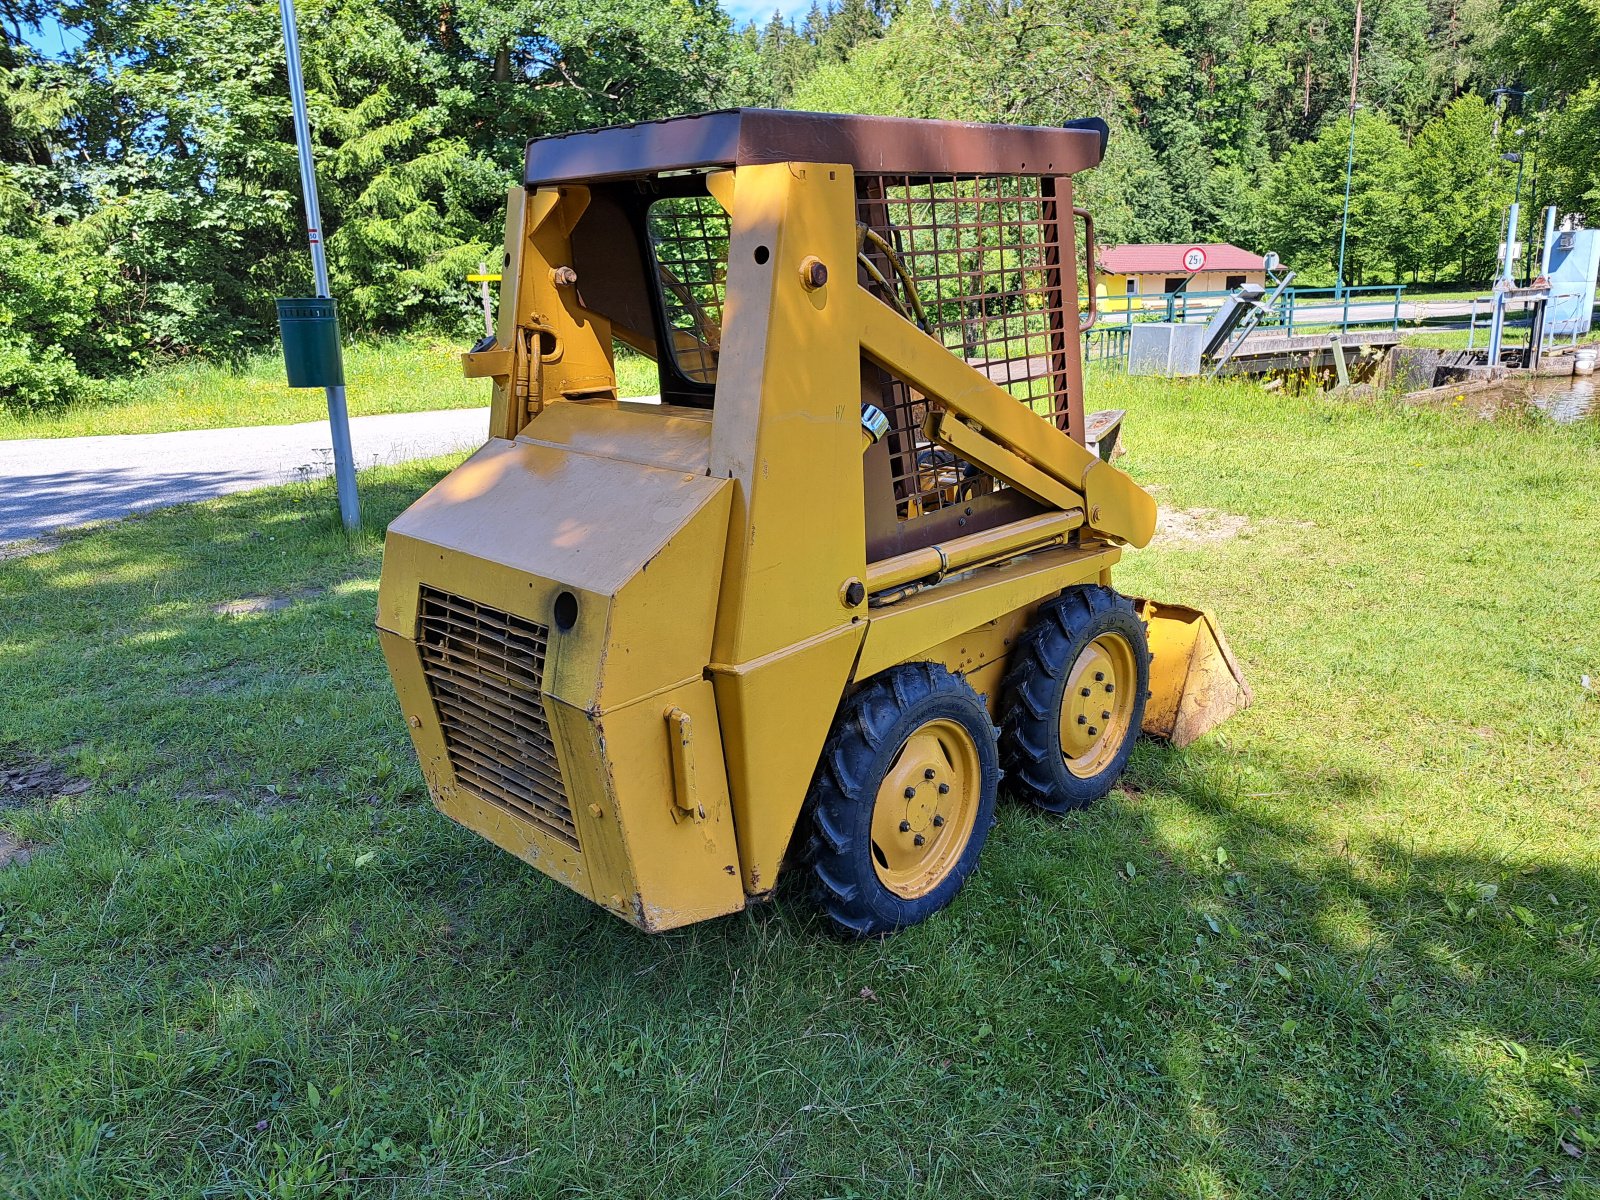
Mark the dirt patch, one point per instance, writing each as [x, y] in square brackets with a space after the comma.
[30, 781]
[14, 853]
[28, 547]
[248, 605]
[1197, 526]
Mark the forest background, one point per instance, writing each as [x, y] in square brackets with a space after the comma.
[149, 202]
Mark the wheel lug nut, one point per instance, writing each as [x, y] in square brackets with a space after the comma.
[905, 826]
[1092, 729]
[938, 821]
[944, 789]
[1082, 720]
[918, 840]
[1106, 715]
[1110, 687]
[1099, 676]
[1084, 692]
[911, 793]
[928, 773]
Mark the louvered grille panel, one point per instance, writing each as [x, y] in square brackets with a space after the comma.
[485, 670]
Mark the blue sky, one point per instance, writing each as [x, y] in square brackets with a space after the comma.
[50, 37]
[760, 11]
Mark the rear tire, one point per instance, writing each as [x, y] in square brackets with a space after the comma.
[1074, 699]
[902, 801]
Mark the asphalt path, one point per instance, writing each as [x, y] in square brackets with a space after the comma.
[52, 483]
[1321, 313]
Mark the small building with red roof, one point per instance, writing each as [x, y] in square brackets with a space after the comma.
[1155, 268]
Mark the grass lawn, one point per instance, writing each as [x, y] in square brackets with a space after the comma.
[1348, 945]
[408, 375]
[1456, 339]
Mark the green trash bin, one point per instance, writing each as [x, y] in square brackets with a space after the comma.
[310, 328]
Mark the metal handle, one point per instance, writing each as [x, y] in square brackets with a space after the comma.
[1086, 320]
[685, 788]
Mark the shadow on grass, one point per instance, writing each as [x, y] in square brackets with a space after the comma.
[252, 960]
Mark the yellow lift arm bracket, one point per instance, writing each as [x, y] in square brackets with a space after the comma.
[495, 364]
[949, 431]
[1116, 506]
[547, 346]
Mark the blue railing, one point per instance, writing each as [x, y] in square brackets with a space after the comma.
[1303, 310]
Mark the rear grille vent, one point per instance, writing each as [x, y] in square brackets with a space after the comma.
[485, 669]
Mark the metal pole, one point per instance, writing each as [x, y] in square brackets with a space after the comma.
[1498, 319]
[344, 460]
[1350, 158]
[1344, 224]
[1513, 222]
[1544, 273]
[483, 294]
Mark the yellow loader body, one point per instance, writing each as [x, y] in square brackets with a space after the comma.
[622, 631]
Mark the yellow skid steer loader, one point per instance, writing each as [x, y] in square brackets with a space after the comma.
[854, 561]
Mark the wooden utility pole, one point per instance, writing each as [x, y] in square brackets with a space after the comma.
[1350, 158]
[1355, 60]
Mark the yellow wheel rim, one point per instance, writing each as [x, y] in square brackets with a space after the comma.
[926, 808]
[1097, 706]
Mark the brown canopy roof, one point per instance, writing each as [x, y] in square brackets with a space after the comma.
[871, 145]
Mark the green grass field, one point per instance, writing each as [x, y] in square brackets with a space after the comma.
[409, 375]
[1348, 945]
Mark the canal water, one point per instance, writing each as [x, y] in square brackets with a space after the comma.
[1569, 398]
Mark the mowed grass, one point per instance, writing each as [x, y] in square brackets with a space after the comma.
[1347, 945]
[396, 376]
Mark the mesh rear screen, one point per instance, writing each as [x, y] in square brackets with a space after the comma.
[978, 262]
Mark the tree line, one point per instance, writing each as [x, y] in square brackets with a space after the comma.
[149, 201]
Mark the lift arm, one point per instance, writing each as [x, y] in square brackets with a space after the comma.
[990, 427]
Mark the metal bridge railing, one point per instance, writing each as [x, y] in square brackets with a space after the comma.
[1297, 310]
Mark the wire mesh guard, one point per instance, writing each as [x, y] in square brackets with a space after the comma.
[689, 242]
[977, 262]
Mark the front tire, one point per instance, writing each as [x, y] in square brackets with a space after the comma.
[1074, 699]
[902, 801]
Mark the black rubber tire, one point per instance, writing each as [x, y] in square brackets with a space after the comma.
[872, 726]
[1030, 707]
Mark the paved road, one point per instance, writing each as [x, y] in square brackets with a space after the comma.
[48, 483]
[1366, 312]
[1321, 313]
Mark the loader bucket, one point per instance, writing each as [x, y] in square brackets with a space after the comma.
[1195, 682]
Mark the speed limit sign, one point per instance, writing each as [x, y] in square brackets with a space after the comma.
[1194, 259]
